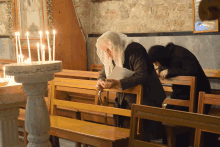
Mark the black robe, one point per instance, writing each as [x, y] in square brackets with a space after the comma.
[136, 59]
[182, 62]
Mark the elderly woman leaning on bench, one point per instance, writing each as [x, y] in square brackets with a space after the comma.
[115, 49]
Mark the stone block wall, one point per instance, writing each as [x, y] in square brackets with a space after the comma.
[135, 16]
[3, 18]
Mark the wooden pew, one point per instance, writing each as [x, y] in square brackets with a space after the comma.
[180, 80]
[172, 130]
[96, 67]
[77, 74]
[213, 74]
[88, 132]
[207, 99]
[210, 73]
[65, 112]
[174, 117]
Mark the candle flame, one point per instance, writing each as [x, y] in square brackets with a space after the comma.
[27, 33]
[47, 32]
[38, 45]
[18, 33]
[54, 32]
[4, 68]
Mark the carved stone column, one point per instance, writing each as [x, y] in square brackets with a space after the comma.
[9, 112]
[37, 121]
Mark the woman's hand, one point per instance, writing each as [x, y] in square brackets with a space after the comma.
[164, 73]
[110, 83]
[99, 85]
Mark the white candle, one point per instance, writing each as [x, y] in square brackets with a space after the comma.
[54, 45]
[38, 52]
[16, 38]
[4, 71]
[19, 58]
[29, 50]
[48, 42]
[22, 58]
[19, 42]
[43, 50]
[41, 44]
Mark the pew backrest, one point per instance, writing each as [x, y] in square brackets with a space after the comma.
[96, 67]
[174, 117]
[77, 74]
[88, 86]
[181, 80]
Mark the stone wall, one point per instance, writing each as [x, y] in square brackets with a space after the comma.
[135, 16]
[3, 18]
[6, 44]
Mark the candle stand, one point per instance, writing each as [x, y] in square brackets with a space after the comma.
[34, 77]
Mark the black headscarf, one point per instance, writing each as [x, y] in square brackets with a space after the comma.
[161, 54]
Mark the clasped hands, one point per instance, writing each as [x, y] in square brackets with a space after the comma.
[162, 73]
[109, 83]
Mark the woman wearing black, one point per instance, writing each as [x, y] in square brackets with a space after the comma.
[174, 60]
[115, 49]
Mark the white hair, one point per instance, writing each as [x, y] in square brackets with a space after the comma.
[117, 43]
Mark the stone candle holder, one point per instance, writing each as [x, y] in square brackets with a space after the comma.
[34, 77]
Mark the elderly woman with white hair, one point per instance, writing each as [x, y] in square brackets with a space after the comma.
[115, 49]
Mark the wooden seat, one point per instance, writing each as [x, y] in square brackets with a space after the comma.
[87, 134]
[206, 99]
[77, 74]
[213, 74]
[172, 130]
[96, 67]
[174, 117]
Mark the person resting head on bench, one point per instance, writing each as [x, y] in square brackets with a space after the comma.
[116, 49]
[174, 60]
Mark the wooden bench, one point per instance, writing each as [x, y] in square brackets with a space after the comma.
[172, 130]
[96, 67]
[203, 100]
[174, 117]
[65, 112]
[210, 73]
[180, 80]
[77, 74]
[88, 132]
[213, 74]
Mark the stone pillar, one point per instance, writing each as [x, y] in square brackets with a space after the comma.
[37, 121]
[9, 127]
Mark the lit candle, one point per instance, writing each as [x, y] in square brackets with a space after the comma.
[16, 38]
[43, 50]
[19, 58]
[29, 50]
[54, 45]
[48, 42]
[4, 71]
[19, 42]
[22, 58]
[38, 52]
[41, 44]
